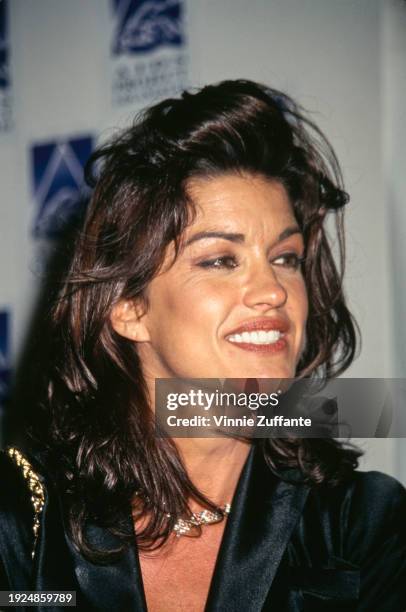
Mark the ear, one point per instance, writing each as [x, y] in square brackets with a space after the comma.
[128, 320]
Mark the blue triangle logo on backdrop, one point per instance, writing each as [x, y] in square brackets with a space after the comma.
[59, 190]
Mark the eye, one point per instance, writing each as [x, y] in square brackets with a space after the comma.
[227, 261]
[291, 261]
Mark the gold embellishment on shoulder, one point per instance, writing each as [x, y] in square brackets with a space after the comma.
[35, 486]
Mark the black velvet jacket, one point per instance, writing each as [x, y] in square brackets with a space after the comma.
[286, 547]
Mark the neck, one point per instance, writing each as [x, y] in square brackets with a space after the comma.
[214, 465]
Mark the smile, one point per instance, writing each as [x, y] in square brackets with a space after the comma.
[256, 337]
[264, 335]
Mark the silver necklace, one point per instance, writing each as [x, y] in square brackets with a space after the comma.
[204, 517]
[196, 519]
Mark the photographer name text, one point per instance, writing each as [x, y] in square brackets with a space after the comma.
[257, 420]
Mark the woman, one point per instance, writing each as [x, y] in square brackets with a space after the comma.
[203, 255]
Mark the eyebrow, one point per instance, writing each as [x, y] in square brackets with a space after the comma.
[239, 238]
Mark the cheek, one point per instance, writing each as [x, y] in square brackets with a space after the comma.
[207, 305]
[303, 311]
[200, 304]
[298, 304]
[304, 302]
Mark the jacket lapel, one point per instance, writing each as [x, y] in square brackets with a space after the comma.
[264, 513]
[113, 586]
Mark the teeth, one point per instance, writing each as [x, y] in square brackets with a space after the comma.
[256, 337]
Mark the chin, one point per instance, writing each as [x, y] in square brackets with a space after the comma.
[276, 370]
[260, 374]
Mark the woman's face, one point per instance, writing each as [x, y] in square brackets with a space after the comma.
[234, 303]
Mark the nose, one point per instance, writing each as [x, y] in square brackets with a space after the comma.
[263, 290]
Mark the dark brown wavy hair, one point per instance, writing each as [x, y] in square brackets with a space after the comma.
[100, 426]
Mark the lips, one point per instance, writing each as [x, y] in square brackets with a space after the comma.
[260, 335]
[266, 324]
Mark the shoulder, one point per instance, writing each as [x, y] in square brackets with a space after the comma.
[373, 496]
[375, 513]
[16, 524]
[362, 515]
[366, 503]
[370, 515]
[383, 494]
[375, 483]
[375, 539]
[22, 486]
[15, 494]
[364, 490]
[361, 526]
[22, 491]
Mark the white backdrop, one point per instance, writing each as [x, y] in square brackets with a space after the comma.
[343, 60]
